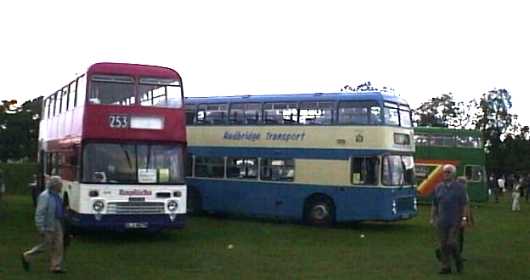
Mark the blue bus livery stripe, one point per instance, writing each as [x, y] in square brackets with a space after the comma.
[286, 201]
[301, 153]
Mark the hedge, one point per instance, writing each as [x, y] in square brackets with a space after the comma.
[17, 176]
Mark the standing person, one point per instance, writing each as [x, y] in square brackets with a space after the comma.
[2, 185]
[2, 191]
[492, 186]
[502, 185]
[527, 187]
[516, 195]
[49, 216]
[448, 215]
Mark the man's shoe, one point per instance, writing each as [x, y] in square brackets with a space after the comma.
[460, 266]
[25, 263]
[58, 271]
[445, 271]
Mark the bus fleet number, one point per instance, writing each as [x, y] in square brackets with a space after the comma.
[118, 121]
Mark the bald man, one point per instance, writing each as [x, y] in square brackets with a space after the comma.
[448, 215]
[49, 216]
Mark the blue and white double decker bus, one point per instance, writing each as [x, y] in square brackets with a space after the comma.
[319, 158]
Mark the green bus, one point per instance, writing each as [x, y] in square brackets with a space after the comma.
[436, 146]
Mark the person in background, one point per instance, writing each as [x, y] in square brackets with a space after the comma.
[448, 215]
[516, 195]
[49, 216]
[2, 185]
[527, 187]
[493, 188]
[2, 191]
[501, 182]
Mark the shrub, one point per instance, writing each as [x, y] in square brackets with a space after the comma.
[17, 176]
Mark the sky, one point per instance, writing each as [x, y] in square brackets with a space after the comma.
[421, 49]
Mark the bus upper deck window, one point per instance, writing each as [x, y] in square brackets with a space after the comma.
[391, 113]
[159, 92]
[111, 90]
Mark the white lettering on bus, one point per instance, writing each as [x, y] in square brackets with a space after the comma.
[135, 192]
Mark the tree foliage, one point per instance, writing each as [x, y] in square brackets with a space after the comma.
[19, 129]
[444, 111]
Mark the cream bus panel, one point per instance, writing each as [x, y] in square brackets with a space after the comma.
[328, 137]
[322, 172]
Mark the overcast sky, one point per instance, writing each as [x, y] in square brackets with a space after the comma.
[420, 48]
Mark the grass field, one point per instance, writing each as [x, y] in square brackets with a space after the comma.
[498, 247]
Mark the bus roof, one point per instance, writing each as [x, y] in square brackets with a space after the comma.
[446, 131]
[295, 97]
[135, 70]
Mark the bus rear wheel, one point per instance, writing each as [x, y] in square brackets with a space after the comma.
[319, 211]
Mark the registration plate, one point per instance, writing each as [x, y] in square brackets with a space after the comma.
[136, 225]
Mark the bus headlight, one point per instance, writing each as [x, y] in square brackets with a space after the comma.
[98, 205]
[172, 205]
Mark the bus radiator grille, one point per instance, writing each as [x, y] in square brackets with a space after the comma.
[127, 208]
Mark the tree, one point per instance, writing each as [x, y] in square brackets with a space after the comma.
[443, 111]
[496, 123]
[19, 129]
[366, 86]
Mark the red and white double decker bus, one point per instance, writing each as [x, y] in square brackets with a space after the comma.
[116, 135]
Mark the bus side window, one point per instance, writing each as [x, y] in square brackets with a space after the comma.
[237, 113]
[188, 166]
[216, 113]
[252, 113]
[277, 169]
[200, 115]
[44, 114]
[473, 173]
[72, 95]
[81, 91]
[317, 113]
[364, 171]
[210, 167]
[64, 101]
[54, 104]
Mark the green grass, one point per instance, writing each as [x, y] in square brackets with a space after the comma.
[498, 247]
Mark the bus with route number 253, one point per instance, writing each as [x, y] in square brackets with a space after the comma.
[319, 158]
[116, 135]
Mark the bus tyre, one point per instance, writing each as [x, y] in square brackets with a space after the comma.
[193, 202]
[319, 211]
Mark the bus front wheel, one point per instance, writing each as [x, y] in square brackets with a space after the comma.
[319, 211]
